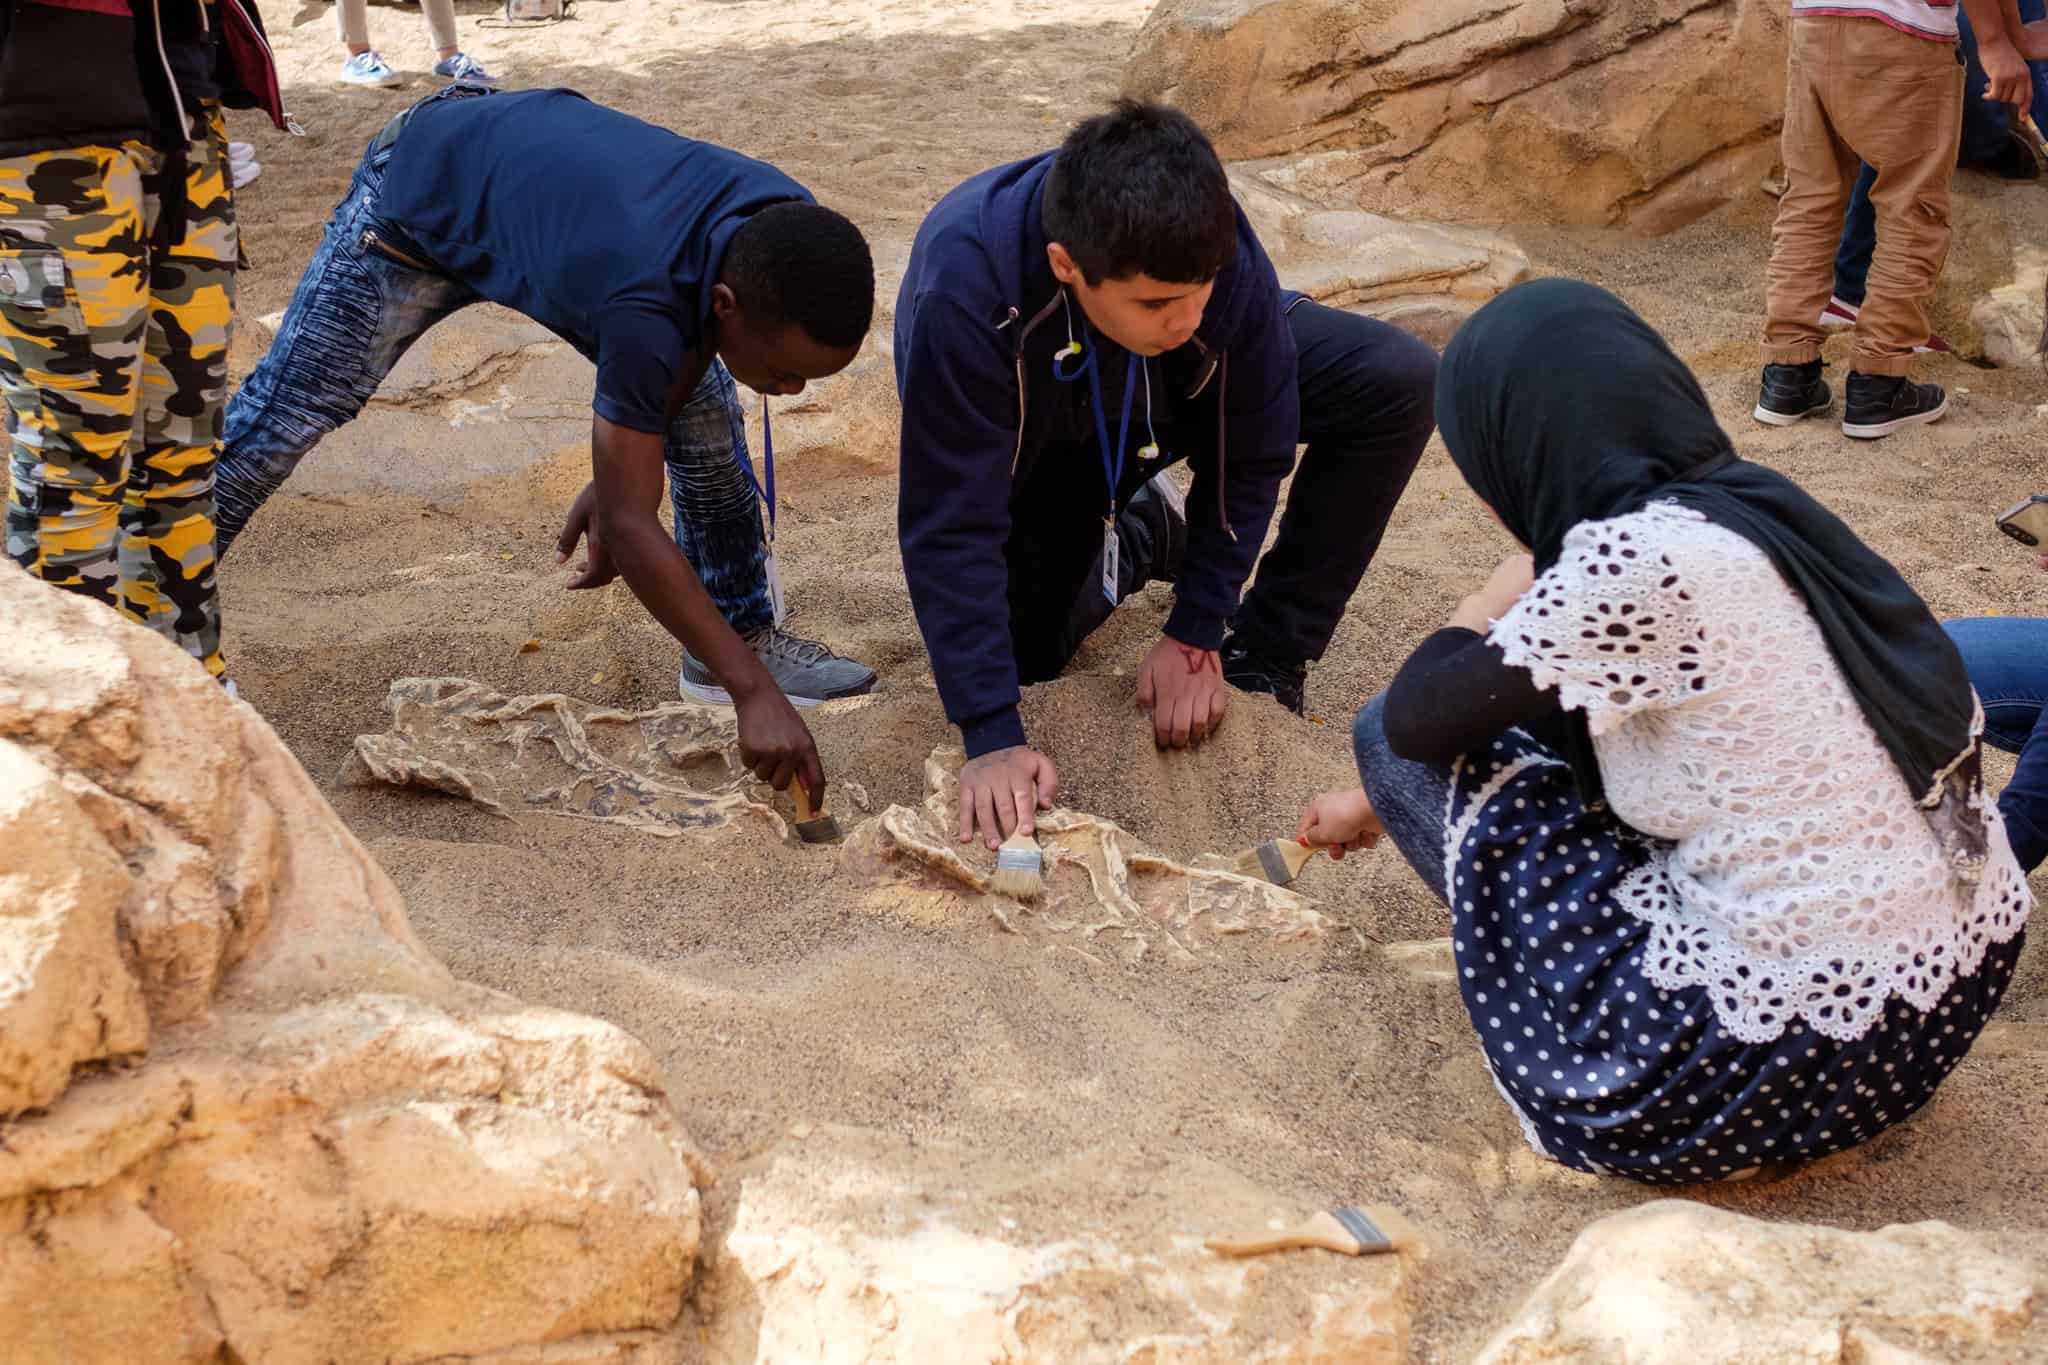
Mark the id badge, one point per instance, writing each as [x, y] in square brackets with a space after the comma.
[775, 588]
[1110, 548]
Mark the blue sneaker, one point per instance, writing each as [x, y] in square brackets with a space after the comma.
[369, 68]
[465, 68]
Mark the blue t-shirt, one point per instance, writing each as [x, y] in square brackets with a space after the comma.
[606, 230]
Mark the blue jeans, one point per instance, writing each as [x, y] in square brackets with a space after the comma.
[1985, 125]
[1411, 799]
[356, 311]
[2007, 658]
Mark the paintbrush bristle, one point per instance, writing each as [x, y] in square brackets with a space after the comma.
[1278, 861]
[1019, 868]
[1375, 1228]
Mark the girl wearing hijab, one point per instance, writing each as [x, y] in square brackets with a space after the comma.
[1697, 777]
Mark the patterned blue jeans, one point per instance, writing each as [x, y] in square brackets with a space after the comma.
[356, 311]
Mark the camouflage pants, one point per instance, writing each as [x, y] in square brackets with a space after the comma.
[113, 357]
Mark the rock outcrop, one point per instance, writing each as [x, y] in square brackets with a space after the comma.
[1641, 114]
[1673, 1281]
[1426, 278]
[244, 1115]
[850, 1247]
[2010, 318]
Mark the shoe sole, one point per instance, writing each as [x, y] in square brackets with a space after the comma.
[711, 695]
[1871, 431]
[1787, 419]
[391, 84]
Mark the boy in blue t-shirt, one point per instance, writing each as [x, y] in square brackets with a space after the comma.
[676, 267]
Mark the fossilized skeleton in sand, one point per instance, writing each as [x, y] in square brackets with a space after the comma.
[673, 771]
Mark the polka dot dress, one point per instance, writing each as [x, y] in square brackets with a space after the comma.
[1614, 1076]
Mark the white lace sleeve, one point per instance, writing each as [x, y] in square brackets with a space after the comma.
[1611, 625]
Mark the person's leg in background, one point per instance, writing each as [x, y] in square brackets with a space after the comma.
[1820, 172]
[2007, 659]
[167, 518]
[1368, 394]
[450, 60]
[1852, 253]
[718, 529]
[1410, 799]
[354, 313]
[364, 65]
[1898, 99]
[1852, 264]
[74, 309]
[717, 512]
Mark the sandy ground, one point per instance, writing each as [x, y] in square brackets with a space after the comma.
[1323, 1073]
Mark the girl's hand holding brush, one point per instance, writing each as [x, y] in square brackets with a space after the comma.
[1341, 822]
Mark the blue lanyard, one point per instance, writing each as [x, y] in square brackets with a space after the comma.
[739, 455]
[1112, 456]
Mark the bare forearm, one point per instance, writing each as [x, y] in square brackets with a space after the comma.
[1995, 22]
[673, 594]
[627, 475]
[2033, 40]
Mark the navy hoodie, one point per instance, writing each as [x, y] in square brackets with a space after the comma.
[978, 319]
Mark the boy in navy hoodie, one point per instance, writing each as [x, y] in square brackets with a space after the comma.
[1068, 327]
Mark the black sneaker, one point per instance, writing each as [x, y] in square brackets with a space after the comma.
[1791, 392]
[1249, 672]
[1878, 405]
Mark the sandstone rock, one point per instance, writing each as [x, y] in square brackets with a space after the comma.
[1674, 1281]
[2010, 319]
[855, 1247]
[66, 997]
[484, 394]
[1424, 277]
[1593, 112]
[330, 1149]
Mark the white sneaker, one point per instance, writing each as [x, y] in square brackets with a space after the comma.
[242, 172]
[238, 152]
[369, 68]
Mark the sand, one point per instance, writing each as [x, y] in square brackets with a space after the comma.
[1328, 1071]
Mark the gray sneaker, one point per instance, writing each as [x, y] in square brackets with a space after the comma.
[805, 670]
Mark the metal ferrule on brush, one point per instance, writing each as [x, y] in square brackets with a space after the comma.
[1017, 860]
[1277, 870]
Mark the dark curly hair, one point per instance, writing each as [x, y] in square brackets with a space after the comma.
[804, 264]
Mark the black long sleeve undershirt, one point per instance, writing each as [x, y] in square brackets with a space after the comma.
[1457, 692]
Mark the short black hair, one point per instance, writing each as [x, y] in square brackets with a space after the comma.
[802, 263]
[1139, 190]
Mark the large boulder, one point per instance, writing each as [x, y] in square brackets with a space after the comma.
[1642, 114]
[246, 1115]
[1681, 1282]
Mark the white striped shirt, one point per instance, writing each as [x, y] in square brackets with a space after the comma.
[1934, 20]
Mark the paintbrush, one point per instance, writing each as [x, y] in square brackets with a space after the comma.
[1020, 867]
[1278, 861]
[1366, 1231]
[812, 827]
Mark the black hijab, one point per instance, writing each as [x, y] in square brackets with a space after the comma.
[1560, 406]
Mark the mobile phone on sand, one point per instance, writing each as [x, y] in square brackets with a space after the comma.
[2027, 522]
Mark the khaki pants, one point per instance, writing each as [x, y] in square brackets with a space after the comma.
[353, 16]
[1859, 90]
